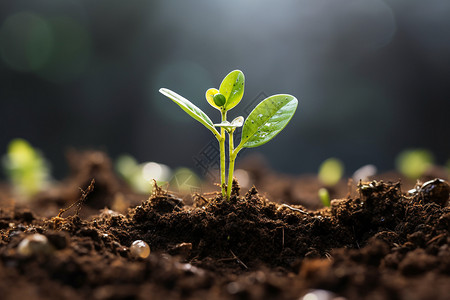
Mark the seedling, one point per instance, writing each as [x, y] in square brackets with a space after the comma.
[26, 168]
[413, 163]
[139, 176]
[331, 171]
[324, 196]
[266, 120]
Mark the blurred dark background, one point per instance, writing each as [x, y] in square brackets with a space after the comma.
[372, 77]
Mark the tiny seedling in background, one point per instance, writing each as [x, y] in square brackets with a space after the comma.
[268, 118]
[185, 181]
[26, 168]
[413, 163]
[324, 196]
[139, 176]
[331, 171]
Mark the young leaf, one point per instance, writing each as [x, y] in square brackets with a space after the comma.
[267, 119]
[237, 122]
[210, 97]
[232, 87]
[191, 109]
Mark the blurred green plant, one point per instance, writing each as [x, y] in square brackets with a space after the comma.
[324, 196]
[413, 163]
[265, 121]
[26, 168]
[139, 176]
[447, 165]
[331, 171]
[185, 181]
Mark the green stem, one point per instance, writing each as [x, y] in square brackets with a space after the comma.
[222, 155]
[230, 163]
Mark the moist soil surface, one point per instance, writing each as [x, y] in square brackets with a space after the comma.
[376, 242]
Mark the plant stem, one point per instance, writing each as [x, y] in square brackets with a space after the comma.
[230, 163]
[222, 155]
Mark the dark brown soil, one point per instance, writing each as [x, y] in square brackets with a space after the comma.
[377, 243]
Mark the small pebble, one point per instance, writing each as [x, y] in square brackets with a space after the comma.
[140, 249]
[436, 190]
[34, 244]
[233, 288]
[182, 249]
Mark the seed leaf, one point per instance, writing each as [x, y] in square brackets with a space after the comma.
[190, 108]
[232, 87]
[267, 119]
[210, 97]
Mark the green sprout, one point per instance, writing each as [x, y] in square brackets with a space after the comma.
[413, 163]
[26, 168]
[331, 171]
[324, 196]
[266, 120]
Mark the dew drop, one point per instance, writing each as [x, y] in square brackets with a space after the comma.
[140, 249]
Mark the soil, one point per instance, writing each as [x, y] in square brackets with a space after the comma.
[376, 241]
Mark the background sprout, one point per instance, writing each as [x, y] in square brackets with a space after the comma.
[331, 171]
[413, 163]
[26, 168]
[185, 181]
[266, 120]
[447, 165]
[139, 176]
[324, 196]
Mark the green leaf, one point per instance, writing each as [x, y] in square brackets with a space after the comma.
[267, 119]
[232, 87]
[210, 97]
[191, 109]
